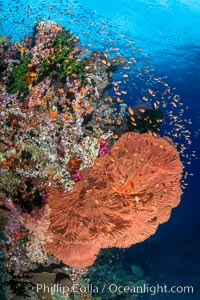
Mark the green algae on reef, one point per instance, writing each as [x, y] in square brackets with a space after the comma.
[62, 62]
[17, 76]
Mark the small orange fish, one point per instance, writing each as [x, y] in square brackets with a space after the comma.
[32, 74]
[115, 136]
[68, 101]
[109, 121]
[71, 90]
[118, 122]
[67, 116]
[88, 110]
[77, 106]
[104, 61]
[83, 90]
[115, 83]
[52, 114]
[119, 99]
[114, 49]
[118, 93]
[133, 123]
[133, 59]
[145, 98]
[61, 90]
[30, 65]
[132, 119]
[151, 92]
[112, 159]
[131, 111]
[22, 50]
[109, 99]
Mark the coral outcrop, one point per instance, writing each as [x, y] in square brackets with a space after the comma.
[120, 201]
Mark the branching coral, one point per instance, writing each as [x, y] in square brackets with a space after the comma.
[120, 201]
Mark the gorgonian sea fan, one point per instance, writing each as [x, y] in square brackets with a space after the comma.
[120, 201]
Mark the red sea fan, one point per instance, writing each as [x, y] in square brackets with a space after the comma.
[120, 201]
[76, 254]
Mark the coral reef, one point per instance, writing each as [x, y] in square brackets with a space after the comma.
[51, 113]
[118, 274]
[120, 201]
[74, 179]
[4, 276]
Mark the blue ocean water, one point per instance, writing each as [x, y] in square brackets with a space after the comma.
[169, 32]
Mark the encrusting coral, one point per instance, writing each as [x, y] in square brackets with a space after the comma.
[121, 200]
